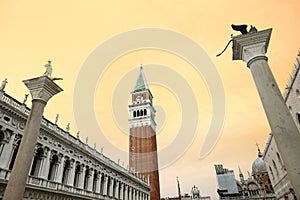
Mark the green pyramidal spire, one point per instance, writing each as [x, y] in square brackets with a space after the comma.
[141, 82]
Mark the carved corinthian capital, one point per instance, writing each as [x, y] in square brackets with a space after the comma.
[42, 88]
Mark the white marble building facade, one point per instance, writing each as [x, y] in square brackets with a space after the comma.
[63, 166]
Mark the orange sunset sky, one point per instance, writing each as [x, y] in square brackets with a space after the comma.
[67, 32]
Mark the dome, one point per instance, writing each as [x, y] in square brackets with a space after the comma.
[195, 192]
[258, 164]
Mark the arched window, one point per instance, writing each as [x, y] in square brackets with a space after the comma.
[86, 178]
[271, 171]
[95, 178]
[53, 166]
[298, 117]
[77, 174]
[138, 113]
[119, 190]
[297, 93]
[114, 188]
[102, 182]
[1, 142]
[108, 185]
[66, 171]
[275, 167]
[15, 151]
[145, 111]
[134, 113]
[141, 112]
[37, 160]
[279, 159]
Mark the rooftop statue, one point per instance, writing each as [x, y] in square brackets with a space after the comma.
[4, 82]
[25, 99]
[68, 127]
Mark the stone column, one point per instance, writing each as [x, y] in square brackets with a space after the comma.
[70, 181]
[90, 180]
[38, 167]
[121, 190]
[98, 183]
[60, 169]
[125, 192]
[7, 151]
[251, 48]
[81, 177]
[130, 193]
[111, 187]
[117, 189]
[46, 164]
[105, 185]
[41, 89]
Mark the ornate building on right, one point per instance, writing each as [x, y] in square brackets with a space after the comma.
[256, 186]
[275, 166]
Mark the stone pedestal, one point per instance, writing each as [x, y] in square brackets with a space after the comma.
[251, 48]
[41, 89]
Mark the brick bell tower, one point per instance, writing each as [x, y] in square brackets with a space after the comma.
[142, 140]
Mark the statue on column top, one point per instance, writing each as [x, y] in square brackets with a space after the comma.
[4, 82]
[48, 67]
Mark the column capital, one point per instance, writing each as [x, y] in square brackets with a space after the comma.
[249, 46]
[42, 88]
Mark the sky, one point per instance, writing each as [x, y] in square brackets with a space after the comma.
[73, 34]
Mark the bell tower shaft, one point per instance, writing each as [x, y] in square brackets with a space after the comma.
[142, 140]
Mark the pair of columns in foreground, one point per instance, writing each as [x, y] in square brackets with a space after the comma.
[251, 48]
